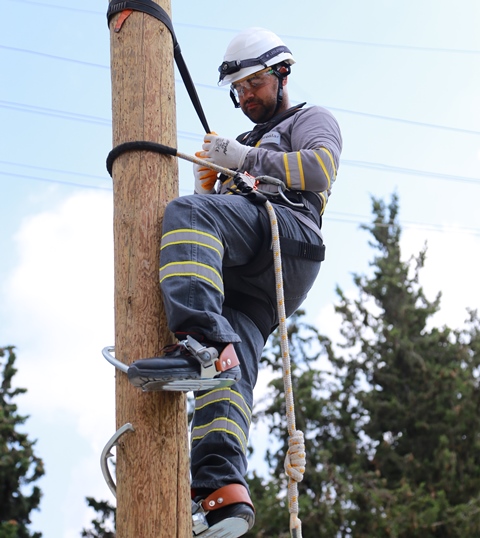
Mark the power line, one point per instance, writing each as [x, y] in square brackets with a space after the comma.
[365, 219]
[22, 107]
[194, 136]
[348, 218]
[330, 216]
[401, 120]
[408, 171]
[59, 181]
[104, 121]
[216, 88]
[53, 56]
[68, 8]
[54, 170]
[412, 48]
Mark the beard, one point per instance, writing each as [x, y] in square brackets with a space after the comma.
[259, 110]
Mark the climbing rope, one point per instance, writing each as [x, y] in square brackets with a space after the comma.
[295, 460]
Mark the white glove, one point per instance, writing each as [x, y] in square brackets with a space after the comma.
[205, 178]
[225, 151]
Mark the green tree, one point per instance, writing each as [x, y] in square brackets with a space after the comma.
[19, 466]
[103, 526]
[393, 425]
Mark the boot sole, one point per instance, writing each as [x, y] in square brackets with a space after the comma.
[231, 527]
[181, 381]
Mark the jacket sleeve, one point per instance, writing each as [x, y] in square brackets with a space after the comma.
[307, 155]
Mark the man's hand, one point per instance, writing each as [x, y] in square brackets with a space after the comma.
[225, 152]
[205, 178]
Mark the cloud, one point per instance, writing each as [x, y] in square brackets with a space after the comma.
[450, 268]
[60, 304]
[59, 300]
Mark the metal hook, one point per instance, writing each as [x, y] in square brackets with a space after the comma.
[280, 189]
[106, 454]
[106, 352]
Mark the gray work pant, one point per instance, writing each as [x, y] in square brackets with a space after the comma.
[202, 236]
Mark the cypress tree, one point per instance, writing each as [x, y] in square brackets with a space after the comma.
[392, 425]
[20, 468]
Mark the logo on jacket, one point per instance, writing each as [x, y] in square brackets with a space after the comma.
[273, 137]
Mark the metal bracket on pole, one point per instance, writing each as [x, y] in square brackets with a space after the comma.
[106, 454]
[106, 352]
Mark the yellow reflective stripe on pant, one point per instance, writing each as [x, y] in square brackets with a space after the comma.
[192, 269]
[226, 395]
[193, 237]
[224, 425]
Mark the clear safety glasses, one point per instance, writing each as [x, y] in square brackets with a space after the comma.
[253, 83]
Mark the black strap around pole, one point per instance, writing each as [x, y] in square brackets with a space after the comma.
[151, 8]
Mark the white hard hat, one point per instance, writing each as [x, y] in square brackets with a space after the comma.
[250, 51]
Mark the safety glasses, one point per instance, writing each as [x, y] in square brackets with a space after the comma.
[253, 83]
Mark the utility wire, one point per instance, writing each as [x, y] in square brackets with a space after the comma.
[53, 56]
[95, 119]
[59, 181]
[22, 107]
[335, 216]
[194, 136]
[43, 4]
[285, 36]
[349, 218]
[54, 170]
[408, 171]
[330, 216]
[216, 88]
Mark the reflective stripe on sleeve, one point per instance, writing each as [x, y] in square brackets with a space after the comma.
[323, 167]
[300, 171]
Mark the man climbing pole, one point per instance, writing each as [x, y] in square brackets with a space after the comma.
[217, 273]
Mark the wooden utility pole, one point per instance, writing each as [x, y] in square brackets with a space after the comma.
[152, 469]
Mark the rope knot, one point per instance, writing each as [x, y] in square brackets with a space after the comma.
[295, 460]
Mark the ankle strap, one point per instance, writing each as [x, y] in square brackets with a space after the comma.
[231, 494]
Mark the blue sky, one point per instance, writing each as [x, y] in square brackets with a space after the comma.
[402, 79]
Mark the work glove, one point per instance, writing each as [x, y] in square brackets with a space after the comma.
[225, 152]
[205, 178]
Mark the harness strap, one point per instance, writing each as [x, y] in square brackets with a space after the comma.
[250, 138]
[153, 9]
[301, 249]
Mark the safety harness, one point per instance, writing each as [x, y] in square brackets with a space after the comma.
[241, 295]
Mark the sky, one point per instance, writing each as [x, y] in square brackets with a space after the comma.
[401, 78]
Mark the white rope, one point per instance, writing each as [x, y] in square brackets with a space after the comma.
[295, 460]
